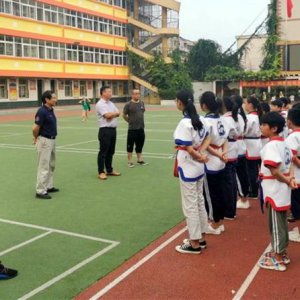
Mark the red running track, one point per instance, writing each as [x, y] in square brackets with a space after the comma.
[217, 273]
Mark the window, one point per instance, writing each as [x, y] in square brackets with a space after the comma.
[23, 88]
[68, 88]
[3, 89]
[82, 88]
[5, 6]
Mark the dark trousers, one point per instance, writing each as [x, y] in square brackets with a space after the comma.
[295, 207]
[107, 137]
[135, 137]
[253, 170]
[230, 189]
[214, 196]
[243, 177]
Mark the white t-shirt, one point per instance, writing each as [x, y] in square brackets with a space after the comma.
[189, 169]
[102, 107]
[276, 153]
[285, 131]
[253, 137]
[293, 141]
[218, 133]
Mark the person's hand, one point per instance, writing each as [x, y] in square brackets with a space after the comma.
[292, 183]
[203, 158]
[34, 140]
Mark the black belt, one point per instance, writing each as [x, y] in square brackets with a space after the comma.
[251, 137]
[108, 128]
[50, 137]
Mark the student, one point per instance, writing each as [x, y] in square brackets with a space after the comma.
[286, 103]
[253, 142]
[293, 141]
[133, 114]
[85, 102]
[277, 181]
[6, 273]
[190, 138]
[241, 166]
[217, 157]
[276, 105]
[231, 119]
[265, 107]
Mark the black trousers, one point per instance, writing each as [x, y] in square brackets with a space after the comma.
[135, 137]
[214, 197]
[295, 207]
[230, 187]
[107, 137]
[243, 177]
[253, 170]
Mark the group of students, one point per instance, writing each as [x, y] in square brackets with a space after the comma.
[232, 153]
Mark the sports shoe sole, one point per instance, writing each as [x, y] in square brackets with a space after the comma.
[180, 250]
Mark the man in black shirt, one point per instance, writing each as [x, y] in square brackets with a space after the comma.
[44, 134]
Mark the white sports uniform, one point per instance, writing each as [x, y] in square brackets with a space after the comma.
[293, 141]
[191, 174]
[241, 142]
[218, 133]
[276, 154]
[234, 131]
[253, 137]
[285, 131]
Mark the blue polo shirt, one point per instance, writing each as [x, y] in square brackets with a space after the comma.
[46, 119]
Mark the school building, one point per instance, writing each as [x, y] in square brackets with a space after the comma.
[75, 46]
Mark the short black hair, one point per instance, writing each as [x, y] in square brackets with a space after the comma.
[294, 116]
[285, 101]
[47, 94]
[277, 102]
[103, 88]
[273, 119]
[265, 107]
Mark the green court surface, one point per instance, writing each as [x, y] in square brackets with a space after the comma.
[63, 245]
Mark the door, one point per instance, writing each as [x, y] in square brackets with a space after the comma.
[40, 88]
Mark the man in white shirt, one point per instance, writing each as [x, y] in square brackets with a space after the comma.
[107, 114]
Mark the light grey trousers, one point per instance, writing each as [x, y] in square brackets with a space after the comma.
[46, 164]
[193, 206]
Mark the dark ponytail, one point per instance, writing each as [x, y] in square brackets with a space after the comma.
[187, 99]
[256, 105]
[213, 104]
[231, 106]
[238, 100]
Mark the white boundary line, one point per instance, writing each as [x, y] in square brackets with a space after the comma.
[136, 266]
[75, 144]
[243, 288]
[25, 243]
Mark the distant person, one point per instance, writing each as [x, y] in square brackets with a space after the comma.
[107, 114]
[44, 134]
[85, 102]
[133, 114]
[6, 273]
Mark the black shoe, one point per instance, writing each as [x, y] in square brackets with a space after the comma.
[291, 218]
[187, 248]
[43, 196]
[53, 190]
[6, 273]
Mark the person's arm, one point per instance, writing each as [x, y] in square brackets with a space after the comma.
[111, 115]
[289, 180]
[196, 155]
[125, 117]
[296, 161]
[35, 132]
[205, 144]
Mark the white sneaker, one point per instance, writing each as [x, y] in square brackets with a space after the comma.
[211, 230]
[242, 205]
[131, 165]
[222, 228]
[294, 235]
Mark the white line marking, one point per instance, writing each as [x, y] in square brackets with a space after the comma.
[68, 272]
[75, 144]
[25, 243]
[83, 236]
[242, 290]
[137, 265]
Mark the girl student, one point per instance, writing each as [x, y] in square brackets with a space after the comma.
[191, 138]
[252, 139]
[217, 157]
[85, 102]
[230, 116]
[241, 166]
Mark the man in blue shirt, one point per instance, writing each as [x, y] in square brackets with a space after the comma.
[44, 134]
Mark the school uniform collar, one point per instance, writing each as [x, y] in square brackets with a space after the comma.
[253, 113]
[296, 130]
[277, 138]
[228, 114]
[212, 115]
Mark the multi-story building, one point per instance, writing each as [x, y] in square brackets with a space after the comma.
[71, 46]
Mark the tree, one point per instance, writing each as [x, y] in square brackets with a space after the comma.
[204, 55]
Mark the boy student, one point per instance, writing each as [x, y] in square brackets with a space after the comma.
[293, 141]
[277, 181]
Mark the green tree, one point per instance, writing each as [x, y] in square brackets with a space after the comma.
[204, 55]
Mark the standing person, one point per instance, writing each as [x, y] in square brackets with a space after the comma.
[7, 273]
[44, 134]
[277, 180]
[217, 158]
[253, 142]
[133, 114]
[231, 120]
[190, 138]
[85, 102]
[241, 167]
[107, 114]
[265, 108]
